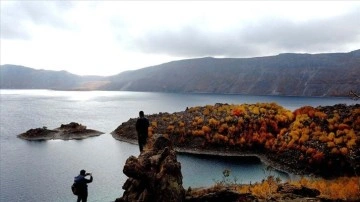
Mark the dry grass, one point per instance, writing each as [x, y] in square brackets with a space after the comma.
[343, 188]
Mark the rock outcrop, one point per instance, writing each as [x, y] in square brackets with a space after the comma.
[64, 132]
[290, 189]
[223, 194]
[154, 176]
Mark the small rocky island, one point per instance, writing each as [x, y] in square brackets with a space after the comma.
[71, 131]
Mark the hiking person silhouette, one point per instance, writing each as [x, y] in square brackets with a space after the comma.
[81, 184]
[142, 125]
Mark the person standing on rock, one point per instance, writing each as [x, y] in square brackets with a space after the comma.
[81, 184]
[142, 125]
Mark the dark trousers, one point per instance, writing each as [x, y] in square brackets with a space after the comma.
[82, 197]
[142, 143]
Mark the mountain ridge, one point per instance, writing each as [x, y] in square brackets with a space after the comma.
[279, 73]
[21, 77]
[291, 74]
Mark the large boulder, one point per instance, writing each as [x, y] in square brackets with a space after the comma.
[154, 176]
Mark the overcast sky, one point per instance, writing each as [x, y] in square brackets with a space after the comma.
[109, 37]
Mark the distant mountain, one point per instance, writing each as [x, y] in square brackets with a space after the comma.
[329, 74]
[20, 77]
[332, 74]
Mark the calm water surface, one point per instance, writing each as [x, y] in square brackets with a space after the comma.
[44, 171]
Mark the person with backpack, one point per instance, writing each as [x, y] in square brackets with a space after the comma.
[142, 125]
[80, 185]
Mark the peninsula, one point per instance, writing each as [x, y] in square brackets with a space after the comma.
[322, 141]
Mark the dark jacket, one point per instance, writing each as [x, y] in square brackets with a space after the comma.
[81, 181]
[142, 125]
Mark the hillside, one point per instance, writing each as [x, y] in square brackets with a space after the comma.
[330, 74]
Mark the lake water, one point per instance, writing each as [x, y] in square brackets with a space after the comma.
[44, 171]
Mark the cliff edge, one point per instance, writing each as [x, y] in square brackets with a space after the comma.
[154, 176]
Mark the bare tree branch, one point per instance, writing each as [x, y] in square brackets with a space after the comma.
[354, 95]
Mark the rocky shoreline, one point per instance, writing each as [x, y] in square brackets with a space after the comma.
[71, 131]
[200, 152]
[322, 141]
[155, 176]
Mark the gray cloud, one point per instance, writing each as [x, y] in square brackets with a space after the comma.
[17, 17]
[319, 35]
[264, 37]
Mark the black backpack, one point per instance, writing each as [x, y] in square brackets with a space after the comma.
[75, 188]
